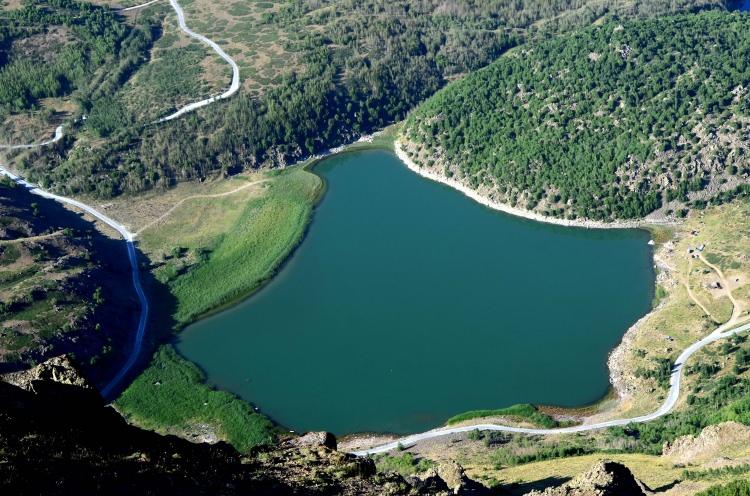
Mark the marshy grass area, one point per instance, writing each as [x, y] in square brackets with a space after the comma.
[212, 252]
[170, 396]
[248, 255]
[209, 252]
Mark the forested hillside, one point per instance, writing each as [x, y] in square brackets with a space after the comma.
[360, 66]
[49, 49]
[610, 122]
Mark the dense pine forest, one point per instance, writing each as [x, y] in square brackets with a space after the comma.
[609, 122]
[357, 76]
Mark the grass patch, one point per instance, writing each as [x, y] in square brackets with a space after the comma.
[522, 412]
[9, 254]
[659, 294]
[249, 253]
[734, 488]
[171, 394]
[405, 464]
[716, 473]
[10, 277]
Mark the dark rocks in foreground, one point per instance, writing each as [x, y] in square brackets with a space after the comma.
[58, 438]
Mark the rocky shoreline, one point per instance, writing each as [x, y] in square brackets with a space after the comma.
[435, 175]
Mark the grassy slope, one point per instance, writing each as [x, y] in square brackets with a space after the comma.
[650, 469]
[247, 236]
[678, 322]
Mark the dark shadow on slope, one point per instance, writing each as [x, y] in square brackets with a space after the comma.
[666, 487]
[102, 342]
[519, 488]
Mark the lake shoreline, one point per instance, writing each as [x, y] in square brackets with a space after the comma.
[386, 144]
[364, 142]
[615, 360]
[518, 212]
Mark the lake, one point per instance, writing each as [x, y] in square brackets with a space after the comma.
[407, 303]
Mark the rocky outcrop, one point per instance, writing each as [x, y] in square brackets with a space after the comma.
[430, 483]
[313, 440]
[58, 369]
[712, 445]
[455, 478]
[605, 478]
[59, 438]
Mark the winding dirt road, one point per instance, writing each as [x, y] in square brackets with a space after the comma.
[675, 378]
[137, 7]
[58, 136]
[233, 88]
[124, 232]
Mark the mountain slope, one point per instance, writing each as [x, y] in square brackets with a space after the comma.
[609, 122]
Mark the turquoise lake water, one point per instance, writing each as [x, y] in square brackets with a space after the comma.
[408, 303]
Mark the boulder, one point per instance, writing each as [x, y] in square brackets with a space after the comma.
[314, 440]
[605, 478]
[455, 478]
[59, 370]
